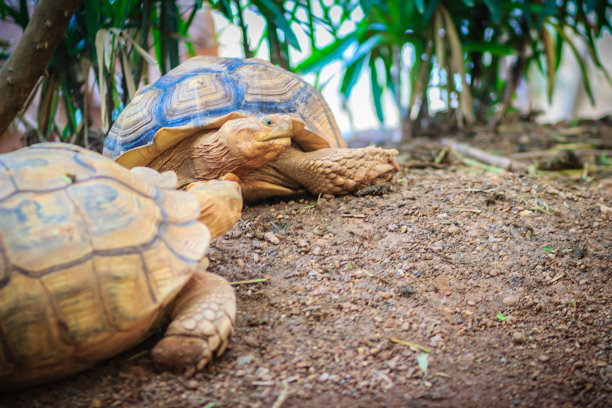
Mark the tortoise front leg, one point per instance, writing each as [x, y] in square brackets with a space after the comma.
[202, 319]
[337, 170]
[220, 203]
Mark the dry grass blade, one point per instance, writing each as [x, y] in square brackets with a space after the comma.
[283, 395]
[457, 63]
[410, 344]
[438, 38]
[549, 51]
[579, 60]
[148, 57]
[129, 80]
[100, 35]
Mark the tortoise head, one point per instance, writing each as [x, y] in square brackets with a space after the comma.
[258, 140]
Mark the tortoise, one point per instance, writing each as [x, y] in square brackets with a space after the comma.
[92, 256]
[214, 116]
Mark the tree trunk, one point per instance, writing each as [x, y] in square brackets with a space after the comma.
[29, 60]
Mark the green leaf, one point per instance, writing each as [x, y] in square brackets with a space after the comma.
[500, 316]
[351, 76]
[496, 49]
[376, 90]
[420, 6]
[332, 52]
[365, 48]
[495, 7]
[422, 360]
[549, 249]
[269, 9]
[92, 18]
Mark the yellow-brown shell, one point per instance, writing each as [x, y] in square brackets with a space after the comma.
[90, 253]
[203, 93]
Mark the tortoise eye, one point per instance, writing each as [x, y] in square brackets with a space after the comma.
[268, 122]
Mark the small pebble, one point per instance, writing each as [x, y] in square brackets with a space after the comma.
[251, 341]
[519, 337]
[435, 340]
[453, 229]
[407, 291]
[510, 300]
[271, 238]
[192, 384]
[543, 358]
[246, 359]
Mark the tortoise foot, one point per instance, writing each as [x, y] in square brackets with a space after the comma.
[203, 318]
[339, 170]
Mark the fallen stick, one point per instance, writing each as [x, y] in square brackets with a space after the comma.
[488, 158]
[536, 154]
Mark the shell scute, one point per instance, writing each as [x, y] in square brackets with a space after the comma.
[115, 215]
[125, 290]
[42, 223]
[28, 324]
[74, 296]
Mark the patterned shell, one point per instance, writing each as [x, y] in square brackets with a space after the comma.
[205, 92]
[90, 253]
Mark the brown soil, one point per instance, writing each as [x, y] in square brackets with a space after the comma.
[362, 291]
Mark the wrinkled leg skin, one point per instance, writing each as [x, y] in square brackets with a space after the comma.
[338, 170]
[202, 319]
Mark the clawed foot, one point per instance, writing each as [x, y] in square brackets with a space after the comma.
[202, 323]
[339, 170]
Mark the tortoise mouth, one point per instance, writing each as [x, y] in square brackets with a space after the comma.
[281, 133]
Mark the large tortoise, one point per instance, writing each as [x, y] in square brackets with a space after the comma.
[213, 116]
[93, 255]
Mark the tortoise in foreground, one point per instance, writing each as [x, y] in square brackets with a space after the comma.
[213, 116]
[93, 255]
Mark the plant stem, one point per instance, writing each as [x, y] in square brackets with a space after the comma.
[28, 62]
[245, 38]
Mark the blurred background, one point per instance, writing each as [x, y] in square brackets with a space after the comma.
[405, 67]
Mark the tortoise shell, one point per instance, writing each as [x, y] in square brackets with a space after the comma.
[203, 93]
[90, 253]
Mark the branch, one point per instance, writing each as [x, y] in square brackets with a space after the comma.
[29, 61]
[497, 161]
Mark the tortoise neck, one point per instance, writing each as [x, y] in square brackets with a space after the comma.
[204, 156]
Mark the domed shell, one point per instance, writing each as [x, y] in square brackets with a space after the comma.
[90, 253]
[203, 93]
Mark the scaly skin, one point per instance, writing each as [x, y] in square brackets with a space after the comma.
[202, 320]
[324, 171]
[238, 146]
[204, 312]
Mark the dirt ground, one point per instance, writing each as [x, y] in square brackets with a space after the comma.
[449, 287]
